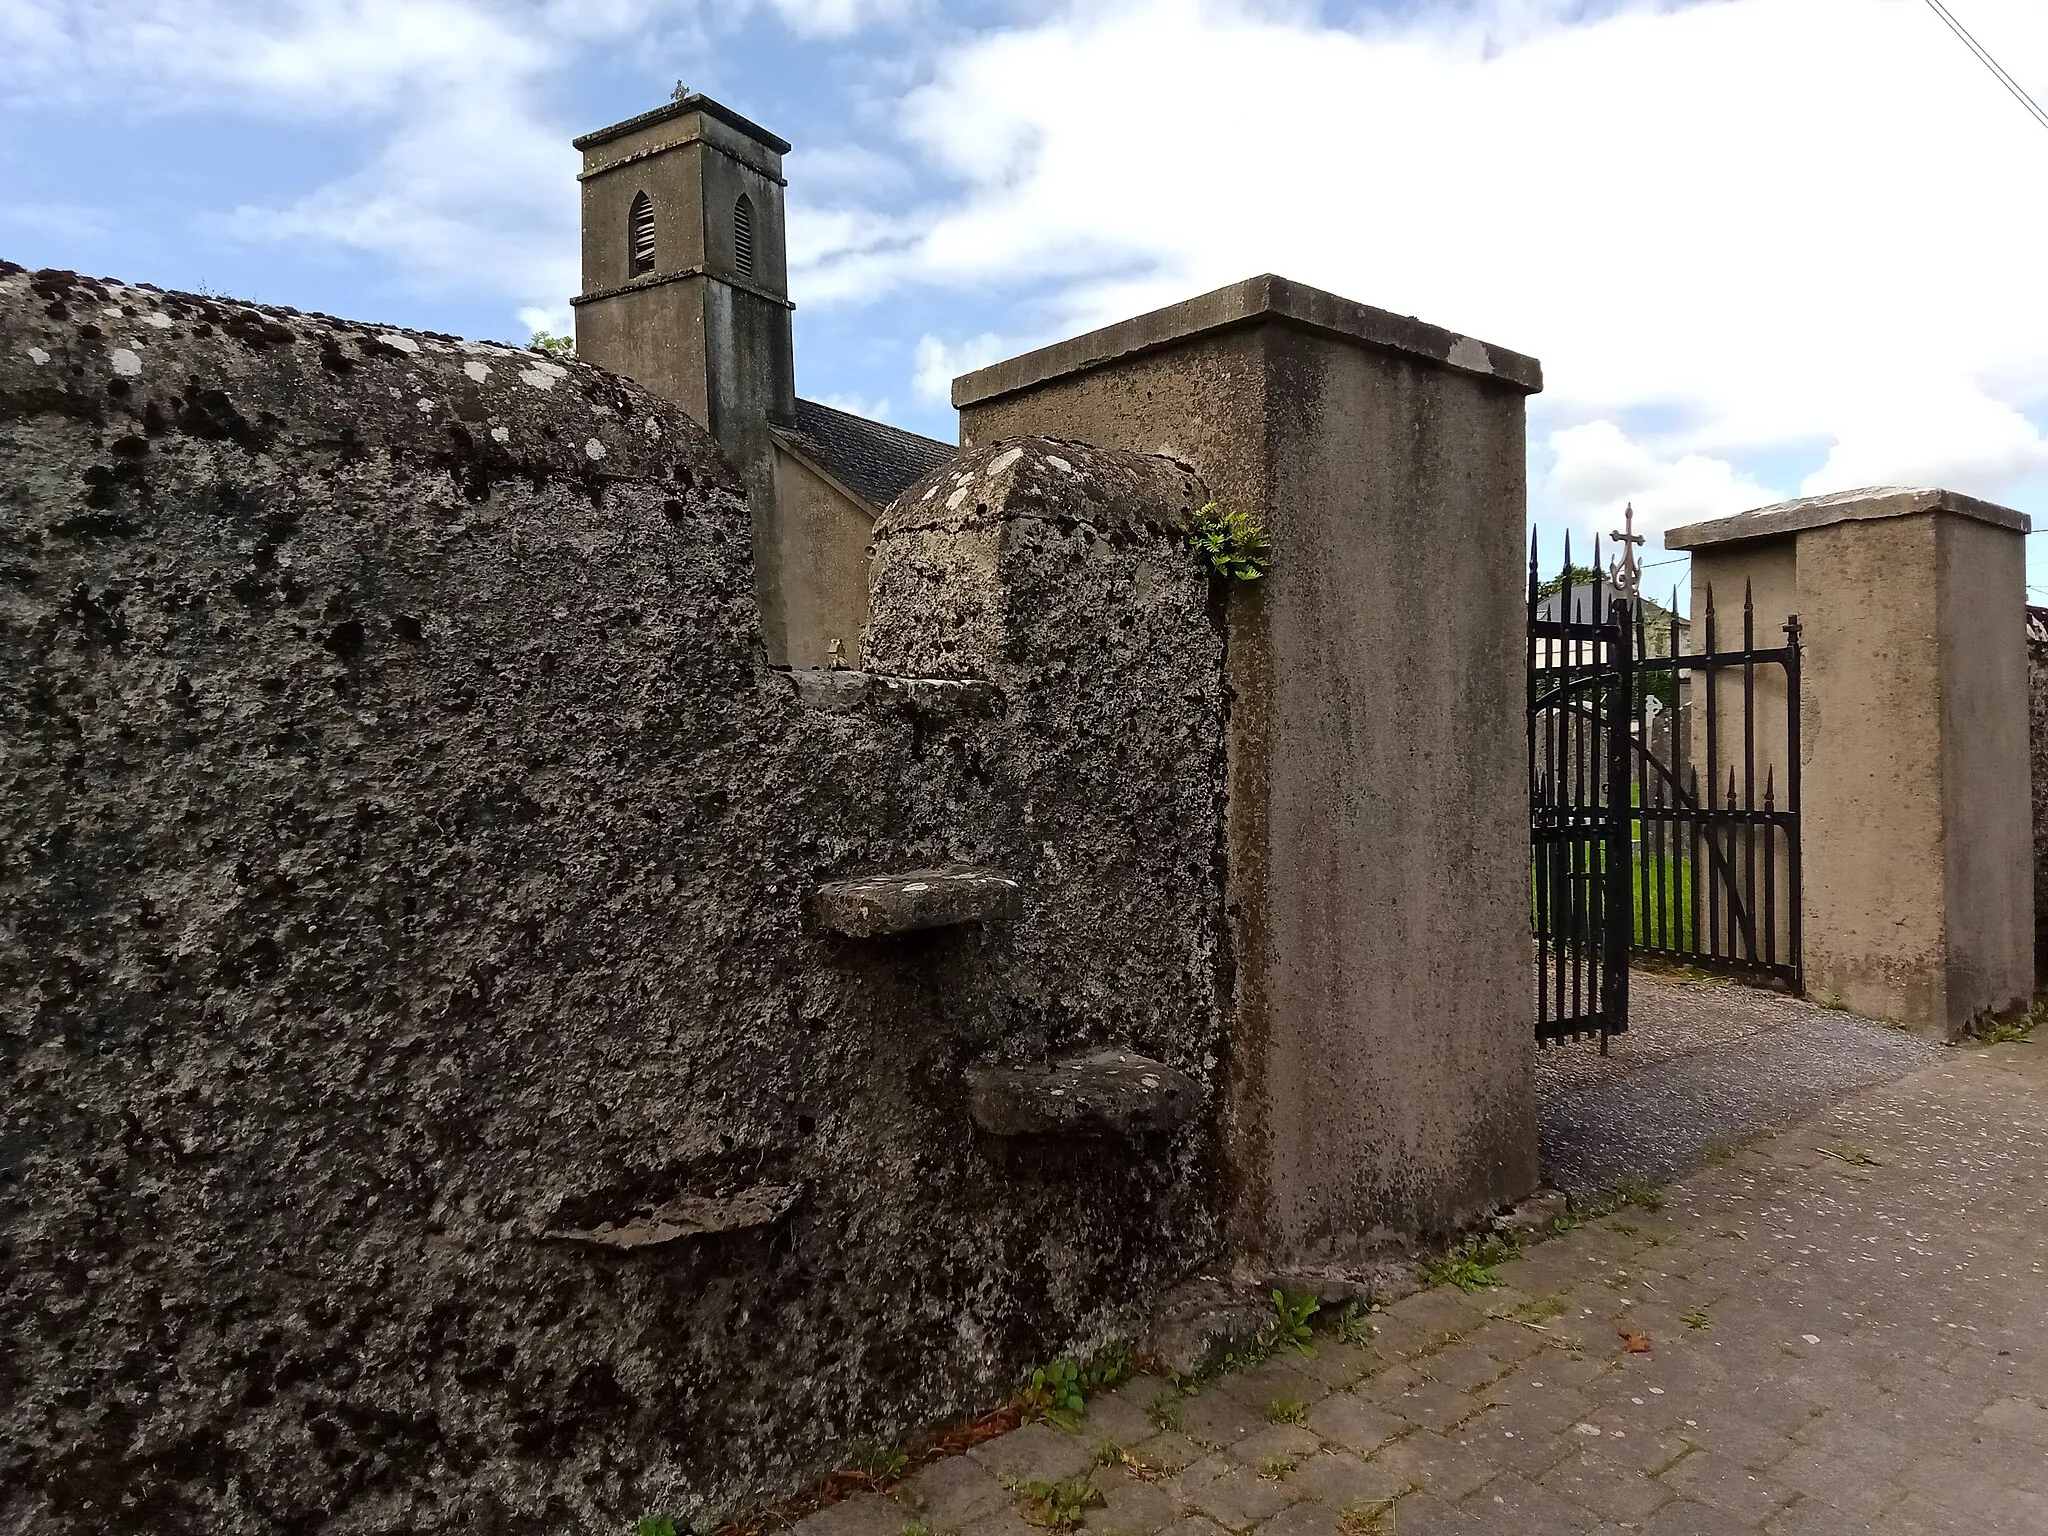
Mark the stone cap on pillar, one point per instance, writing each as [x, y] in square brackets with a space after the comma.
[1255, 299]
[1877, 501]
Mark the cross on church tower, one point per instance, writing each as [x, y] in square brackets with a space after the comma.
[1624, 574]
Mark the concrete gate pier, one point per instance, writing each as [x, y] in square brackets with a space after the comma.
[1916, 815]
[1381, 1051]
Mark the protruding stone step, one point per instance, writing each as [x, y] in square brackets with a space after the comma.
[873, 906]
[1104, 1092]
[687, 1216]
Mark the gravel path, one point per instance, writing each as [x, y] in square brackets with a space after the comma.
[1704, 1065]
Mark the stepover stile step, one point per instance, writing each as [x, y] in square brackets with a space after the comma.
[1101, 1092]
[875, 906]
[687, 1216]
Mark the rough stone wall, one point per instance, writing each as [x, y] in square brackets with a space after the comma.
[431, 1101]
[2037, 753]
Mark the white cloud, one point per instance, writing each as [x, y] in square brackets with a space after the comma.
[1597, 469]
[836, 18]
[938, 362]
[558, 320]
[1785, 223]
[858, 405]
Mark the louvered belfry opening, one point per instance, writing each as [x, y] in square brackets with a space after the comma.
[743, 236]
[640, 227]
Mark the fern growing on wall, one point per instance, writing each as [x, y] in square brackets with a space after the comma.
[1236, 548]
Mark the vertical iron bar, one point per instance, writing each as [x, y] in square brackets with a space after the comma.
[1674, 789]
[1793, 895]
[1749, 764]
[1620, 915]
[1713, 785]
[1536, 871]
[1770, 955]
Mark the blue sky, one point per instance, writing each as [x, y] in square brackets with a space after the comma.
[1763, 247]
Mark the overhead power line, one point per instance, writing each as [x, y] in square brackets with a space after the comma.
[1984, 55]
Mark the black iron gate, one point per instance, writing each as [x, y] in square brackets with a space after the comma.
[1579, 696]
[1663, 794]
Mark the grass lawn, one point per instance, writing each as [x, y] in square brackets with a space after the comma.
[1663, 901]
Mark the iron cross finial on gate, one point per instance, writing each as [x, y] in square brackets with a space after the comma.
[1624, 573]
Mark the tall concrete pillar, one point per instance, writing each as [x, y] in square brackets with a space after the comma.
[1916, 832]
[1380, 1081]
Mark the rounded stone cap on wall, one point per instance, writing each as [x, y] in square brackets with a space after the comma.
[1048, 478]
[1872, 502]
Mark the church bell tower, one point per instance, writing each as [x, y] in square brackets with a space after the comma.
[685, 273]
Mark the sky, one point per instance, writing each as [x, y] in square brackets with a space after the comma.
[1764, 248]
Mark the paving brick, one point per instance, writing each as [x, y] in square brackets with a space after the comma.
[1234, 1496]
[1423, 1514]
[1275, 1443]
[1434, 1405]
[865, 1514]
[1729, 1486]
[1283, 1376]
[1035, 1453]
[1511, 1502]
[1355, 1422]
[2023, 1418]
[1339, 1365]
[1344, 1481]
[1121, 1417]
[1463, 1366]
[1443, 1467]
[1131, 1506]
[1301, 1520]
[1840, 1485]
[951, 1492]
[1610, 1489]
[1682, 1517]
[1217, 1419]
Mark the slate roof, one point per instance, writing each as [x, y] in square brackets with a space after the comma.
[876, 462]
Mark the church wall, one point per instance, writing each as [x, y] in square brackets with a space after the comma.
[434, 1100]
[822, 593]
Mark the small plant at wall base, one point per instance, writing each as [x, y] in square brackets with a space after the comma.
[1053, 1394]
[1289, 1328]
[1236, 548]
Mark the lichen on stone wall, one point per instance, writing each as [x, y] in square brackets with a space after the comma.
[408, 863]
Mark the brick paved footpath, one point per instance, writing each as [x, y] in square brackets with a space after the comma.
[1867, 1351]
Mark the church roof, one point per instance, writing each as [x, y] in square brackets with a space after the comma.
[876, 462]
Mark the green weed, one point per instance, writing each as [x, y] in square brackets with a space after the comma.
[1639, 1193]
[1060, 1506]
[1354, 1323]
[1236, 548]
[1052, 1395]
[1058, 1392]
[1167, 1413]
[655, 1525]
[881, 1462]
[1287, 1410]
[1290, 1326]
[1367, 1519]
[1697, 1319]
[1471, 1265]
[1995, 1031]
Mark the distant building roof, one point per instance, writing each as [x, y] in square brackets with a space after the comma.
[877, 463]
[1654, 613]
